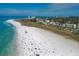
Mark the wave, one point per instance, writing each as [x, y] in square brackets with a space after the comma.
[7, 33]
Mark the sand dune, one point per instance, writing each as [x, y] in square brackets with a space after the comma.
[31, 41]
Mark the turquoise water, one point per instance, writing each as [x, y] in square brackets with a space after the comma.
[7, 34]
[6, 37]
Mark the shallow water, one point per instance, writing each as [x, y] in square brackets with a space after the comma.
[7, 34]
[6, 38]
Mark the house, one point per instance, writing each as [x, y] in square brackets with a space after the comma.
[44, 21]
[39, 20]
[55, 23]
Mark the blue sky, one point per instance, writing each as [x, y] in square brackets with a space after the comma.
[39, 9]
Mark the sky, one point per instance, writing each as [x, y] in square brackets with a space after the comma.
[39, 9]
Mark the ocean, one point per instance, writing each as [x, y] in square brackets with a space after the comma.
[7, 35]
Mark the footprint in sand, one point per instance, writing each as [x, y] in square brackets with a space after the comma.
[53, 51]
[28, 48]
[37, 54]
[31, 43]
[35, 48]
[31, 49]
[26, 32]
[38, 48]
[23, 48]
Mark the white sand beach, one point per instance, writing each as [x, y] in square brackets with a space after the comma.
[31, 41]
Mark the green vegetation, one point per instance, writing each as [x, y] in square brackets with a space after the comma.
[56, 29]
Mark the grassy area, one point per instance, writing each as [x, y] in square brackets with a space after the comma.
[58, 30]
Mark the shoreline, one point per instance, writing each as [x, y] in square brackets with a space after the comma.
[58, 30]
[31, 41]
[15, 25]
